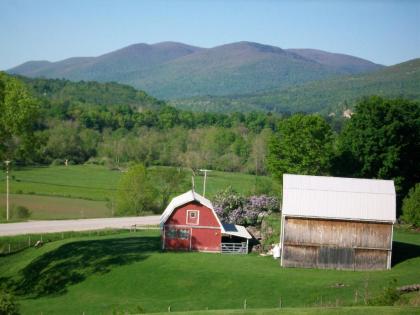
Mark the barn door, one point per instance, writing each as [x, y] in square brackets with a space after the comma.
[336, 257]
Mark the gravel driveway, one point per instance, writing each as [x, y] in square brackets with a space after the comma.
[49, 226]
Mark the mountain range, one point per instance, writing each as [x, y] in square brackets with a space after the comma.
[325, 96]
[171, 70]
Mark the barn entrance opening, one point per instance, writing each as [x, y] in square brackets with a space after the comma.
[235, 239]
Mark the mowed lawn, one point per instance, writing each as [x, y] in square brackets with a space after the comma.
[89, 191]
[128, 272]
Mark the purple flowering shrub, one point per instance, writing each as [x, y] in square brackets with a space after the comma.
[232, 207]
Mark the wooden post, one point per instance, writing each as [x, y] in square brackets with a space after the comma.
[366, 297]
[7, 190]
[29, 241]
[280, 303]
[169, 309]
[245, 304]
[9, 248]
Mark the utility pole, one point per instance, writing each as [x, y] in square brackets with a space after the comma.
[205, 179]
[7, 162]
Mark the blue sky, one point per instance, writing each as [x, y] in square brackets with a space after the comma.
[386, 32]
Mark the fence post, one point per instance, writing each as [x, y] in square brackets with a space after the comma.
[245, 304]
[9, 248]
[280, 303]
[169, 309]
[29, 241]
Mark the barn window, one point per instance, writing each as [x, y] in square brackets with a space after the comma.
[192, 217]
[171, 233]
[183, 234]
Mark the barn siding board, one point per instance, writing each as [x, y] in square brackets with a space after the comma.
[300, 256]
[371, 259]
[339, 244]
[330, 232]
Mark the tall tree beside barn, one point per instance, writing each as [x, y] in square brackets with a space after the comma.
[136, 193]
[411, 207]
[302, 145]
[381, 140]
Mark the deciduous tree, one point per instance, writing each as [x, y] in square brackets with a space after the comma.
[302, 145]
[18, 113]
[411, 207]
[381, 140]
[136, 193]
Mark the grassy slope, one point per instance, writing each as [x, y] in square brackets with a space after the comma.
[77, 181]
[95, 184]
[51, 208]
[312, 310]
[125, 271]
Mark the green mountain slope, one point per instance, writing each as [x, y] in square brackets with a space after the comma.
[401, 80]
[175, 70]
[91, 93]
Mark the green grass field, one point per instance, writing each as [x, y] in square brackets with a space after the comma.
[51, 208]
[128, 273]
[366, 310]
[58, 192]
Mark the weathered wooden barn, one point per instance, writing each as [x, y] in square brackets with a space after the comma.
[337, 223]
[189, 223]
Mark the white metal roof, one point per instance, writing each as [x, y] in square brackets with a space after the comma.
[236, 230]
[183, 199]
[339, 197]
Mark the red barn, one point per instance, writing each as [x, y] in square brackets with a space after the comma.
[190, 223]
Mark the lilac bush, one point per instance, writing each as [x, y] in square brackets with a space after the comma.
[232, 207]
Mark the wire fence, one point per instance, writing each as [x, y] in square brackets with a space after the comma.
[17, 243]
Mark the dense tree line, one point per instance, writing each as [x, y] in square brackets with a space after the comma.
[380, 140]
[112, 124]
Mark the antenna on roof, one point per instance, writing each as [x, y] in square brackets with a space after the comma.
[205, 179]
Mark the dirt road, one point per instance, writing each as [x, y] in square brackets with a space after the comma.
[75, 225]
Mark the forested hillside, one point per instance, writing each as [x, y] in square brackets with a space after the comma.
[112, 124]
[171, 70]
[90, 93]
[380, 140]
[324, 96]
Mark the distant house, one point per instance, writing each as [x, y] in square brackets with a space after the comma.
[338, 223]
[189, 223]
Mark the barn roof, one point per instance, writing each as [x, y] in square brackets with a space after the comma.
[339, 198]
[236, 230]
[187, 197]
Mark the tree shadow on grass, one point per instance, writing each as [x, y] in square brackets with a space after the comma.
[53, 272]
[404, 251]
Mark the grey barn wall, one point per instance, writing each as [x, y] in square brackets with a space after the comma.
[336, 244]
